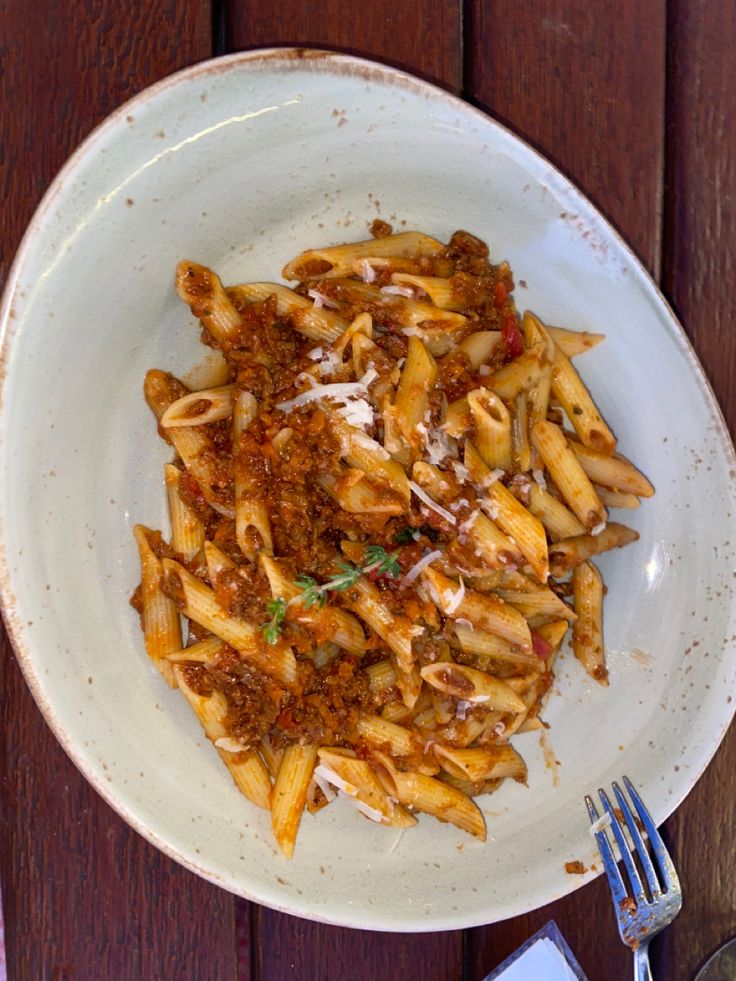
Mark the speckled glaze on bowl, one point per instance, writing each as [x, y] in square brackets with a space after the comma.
[241, 163]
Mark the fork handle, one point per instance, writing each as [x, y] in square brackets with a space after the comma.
[642, 970]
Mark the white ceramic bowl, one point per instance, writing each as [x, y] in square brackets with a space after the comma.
[241, 163]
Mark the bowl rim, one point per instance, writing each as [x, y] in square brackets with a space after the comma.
[340, 63]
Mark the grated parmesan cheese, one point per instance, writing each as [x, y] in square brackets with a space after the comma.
[339, 391]
[399, 291]
[230, 745]
[321, 301]
[456, 598]
[465, 527]
[423, 496]
[422, 564]
[598, 528]
[315, 354]
[603, 822]
[323, 774]
[358, 413]
[461, 712]
[461, 471]
[367, 272]
[539, 478]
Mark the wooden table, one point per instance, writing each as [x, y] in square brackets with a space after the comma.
[636, 101]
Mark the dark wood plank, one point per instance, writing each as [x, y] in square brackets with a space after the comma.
[699, 262]
[424, 37]
[292, 948]
[585, 84]
[84, 896]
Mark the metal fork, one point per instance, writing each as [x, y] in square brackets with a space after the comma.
[642, 912]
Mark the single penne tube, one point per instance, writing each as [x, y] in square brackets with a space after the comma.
[326, 622]
[537, 602]
[521, 374]
[488, 647]
[471, 685]
[416, 384]
[404, 312]
[614, 472]
[510, 515]
[424, 793]
[358, 782]
[539, 394]
[340, 260]
[202, 291]
[191, 442]
[198, 602]
[290, 794]
[485, 611]
[568, 474]
[437, 288]
[394, 629]
[587, 631]
[568, 553]
[355, 494]
[364, 453]
[377, 731]
[479, 347]
[570, 391]
[458, 418]
[573, 342]
[187, 529]
[251, 513]
[617, 499]
[200, 408]
[492, 424]
[159, 614]
[496, 549]
[558, 520]
[205, 652]
[317, 323]
[481, 763]
[245, 766]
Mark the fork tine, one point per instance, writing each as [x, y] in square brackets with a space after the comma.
[618, 834]
[616, 883]
[664, 862]
[655, 888]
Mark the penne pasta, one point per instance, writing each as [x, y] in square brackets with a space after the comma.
[290, 794]
[159, 615]
[587, 631]
[339, 260]
[374, 511]
[569, 475]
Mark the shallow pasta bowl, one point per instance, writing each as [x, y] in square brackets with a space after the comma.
[241, 164]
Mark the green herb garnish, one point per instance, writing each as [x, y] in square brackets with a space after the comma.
[377, 559]
[406, 536]
[271, 630]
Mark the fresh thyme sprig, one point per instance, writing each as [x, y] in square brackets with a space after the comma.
[272, 629]
[377, 560]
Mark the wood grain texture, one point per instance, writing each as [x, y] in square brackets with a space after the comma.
[584, 83]
[297, 949]
[84, 896]
[699, 265]
[423, 36]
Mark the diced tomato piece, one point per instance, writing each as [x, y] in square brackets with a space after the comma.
[511, 336]
[542, 648]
